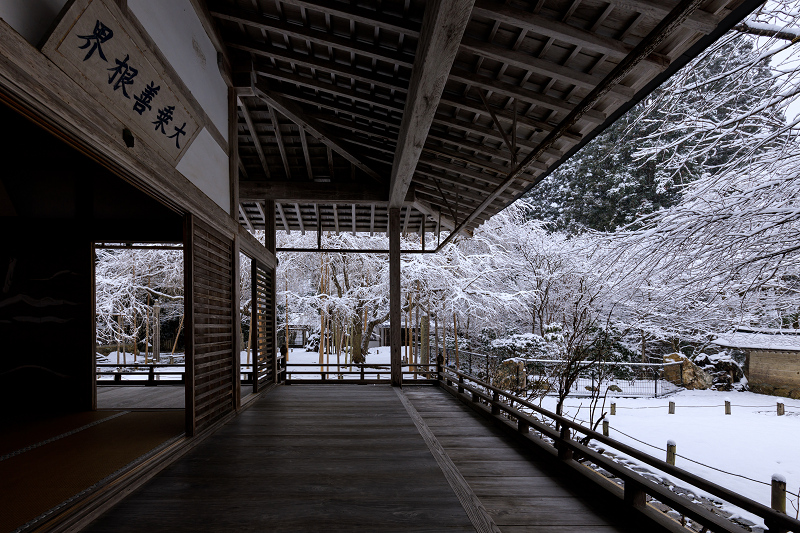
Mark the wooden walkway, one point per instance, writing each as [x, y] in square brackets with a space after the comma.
[357, 457]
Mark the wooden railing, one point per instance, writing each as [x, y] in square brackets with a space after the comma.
[135, 369]
[496, 403]
[358, 373]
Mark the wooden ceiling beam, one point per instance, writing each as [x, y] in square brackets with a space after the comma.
[339, 107]
[297, 115]
[446, 181]
[475, 106]
[225, 11]
[542, 67]
[243, 213]
[299, 218]
[700, 20]
[248, 119]
[430, 210]
[474, 129]
[502, 152]
[562, 31]
[360, 15]
[283, 217]
[489, 179]
[306, 155]
[360, 192]
[501, 170]
[317, 85]
[312, 62]
[276, 127]
[521, 94]
[443, 26]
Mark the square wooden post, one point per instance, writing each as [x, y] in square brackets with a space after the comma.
[394, 295]
[272, 315]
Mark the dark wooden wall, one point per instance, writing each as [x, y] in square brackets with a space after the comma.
[264, 306]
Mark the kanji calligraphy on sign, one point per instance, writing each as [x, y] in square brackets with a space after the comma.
[95, 46]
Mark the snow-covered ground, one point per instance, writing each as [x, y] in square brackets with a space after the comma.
[753, 441]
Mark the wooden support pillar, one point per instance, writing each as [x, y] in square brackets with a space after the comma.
[394, 295]
[189, 322]
[254, 320]
[272, 312]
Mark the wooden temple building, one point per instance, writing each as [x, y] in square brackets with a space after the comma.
[192, 122]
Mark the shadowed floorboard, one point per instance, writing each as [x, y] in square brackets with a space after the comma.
[302, 458]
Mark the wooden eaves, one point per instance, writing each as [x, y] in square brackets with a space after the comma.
[448, 110]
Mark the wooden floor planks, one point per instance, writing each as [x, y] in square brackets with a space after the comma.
[302, 458]
[350, 457]
[519, 493]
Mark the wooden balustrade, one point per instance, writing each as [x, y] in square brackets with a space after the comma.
[496, 403]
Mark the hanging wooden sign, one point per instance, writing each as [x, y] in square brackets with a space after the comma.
[95, 44]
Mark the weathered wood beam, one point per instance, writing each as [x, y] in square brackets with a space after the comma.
[336, 218]
[523, 95]
[276, 127]
[394, 296]
[480, 163]
[489, 150]
[261, 212]
[700, 20]
[283, 217]
[299, 218]
[353, 219]
[330, 164]
[296, 114]
[364, 16]
[543, 67]
[248, 119]
[562, 31]
[482, 178]
[443, 26]
[306, 155]
[346, 108]
[247, 222]
[225, 11]
[306, 60]
[359, 192]
[475, 129]
[426, 208]
[371, 220]
[474, 106]
[337, 90]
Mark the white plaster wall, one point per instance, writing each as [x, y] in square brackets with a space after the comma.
[205, 164]
[31, 18]
[177, 31]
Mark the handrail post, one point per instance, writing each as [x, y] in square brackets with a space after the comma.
[635, 496]
[362, 371]
[495, 401]
[460, 384]
[151, 376]
[564, 451]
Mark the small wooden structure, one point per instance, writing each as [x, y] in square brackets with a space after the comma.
[773, 359]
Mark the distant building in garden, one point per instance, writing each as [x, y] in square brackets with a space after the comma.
[773, 359]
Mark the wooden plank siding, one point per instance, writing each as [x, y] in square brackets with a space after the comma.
[212, 329]
[264, 307]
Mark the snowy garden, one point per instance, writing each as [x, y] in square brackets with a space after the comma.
[678, 224]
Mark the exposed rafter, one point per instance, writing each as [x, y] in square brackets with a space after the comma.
[318, 130]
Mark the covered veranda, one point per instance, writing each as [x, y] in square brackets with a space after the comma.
[397, 117]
